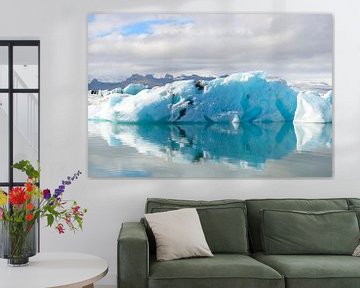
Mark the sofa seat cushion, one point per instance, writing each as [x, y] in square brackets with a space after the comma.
[313, 271]
[222, 270]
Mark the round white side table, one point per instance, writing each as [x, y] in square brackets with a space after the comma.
[50, 270]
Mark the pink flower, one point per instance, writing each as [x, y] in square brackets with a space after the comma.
[60, 228]
[1, 212]
[68, 219]
[76, 210]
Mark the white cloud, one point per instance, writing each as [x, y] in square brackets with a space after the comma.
[212, 44]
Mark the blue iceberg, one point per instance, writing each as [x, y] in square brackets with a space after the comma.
[238, 98]
[134, 88]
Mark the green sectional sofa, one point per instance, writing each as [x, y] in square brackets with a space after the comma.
[243, 236]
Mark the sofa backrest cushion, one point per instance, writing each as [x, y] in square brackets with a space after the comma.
[353, 202]
[223, 221]
[256, 205]
[298, 232]
[354, 205]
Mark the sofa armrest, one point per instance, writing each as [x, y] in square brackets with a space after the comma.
[133, 256]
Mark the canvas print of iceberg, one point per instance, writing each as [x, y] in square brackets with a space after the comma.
[210, 95]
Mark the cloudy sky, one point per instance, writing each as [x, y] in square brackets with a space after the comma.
[293, 46]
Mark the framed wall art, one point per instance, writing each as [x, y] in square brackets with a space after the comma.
[210, 95]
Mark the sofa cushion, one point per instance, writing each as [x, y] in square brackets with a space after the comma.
[353, 201]
[222, 270]
[354, 205]
[356, 209]
[313, 271]
[297, 232]
[223, 221]
[254, 216]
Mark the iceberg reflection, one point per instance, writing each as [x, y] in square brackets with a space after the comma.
[238, 145]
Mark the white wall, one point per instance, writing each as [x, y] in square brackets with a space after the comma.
[62, 28]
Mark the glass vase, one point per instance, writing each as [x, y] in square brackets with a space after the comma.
[18, 242]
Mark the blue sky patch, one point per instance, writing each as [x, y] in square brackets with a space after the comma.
[146, 27]
[91, 18]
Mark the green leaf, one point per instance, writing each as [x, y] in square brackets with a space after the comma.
[79, 221]
[53, 211]
[50, 219]
[26, 167]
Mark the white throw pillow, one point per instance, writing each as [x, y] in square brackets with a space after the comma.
[357, 251]
[178, 234]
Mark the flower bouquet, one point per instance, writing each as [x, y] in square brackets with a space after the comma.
[21, 208]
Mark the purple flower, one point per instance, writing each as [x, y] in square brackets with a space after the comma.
[68, 181]
[46, 194]
[58, 192]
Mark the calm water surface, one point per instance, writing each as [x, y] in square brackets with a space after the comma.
[203, 150]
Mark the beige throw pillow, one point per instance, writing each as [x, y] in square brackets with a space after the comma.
[357, 251]
[178, 234]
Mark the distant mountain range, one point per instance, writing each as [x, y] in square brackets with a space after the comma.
[149, 80]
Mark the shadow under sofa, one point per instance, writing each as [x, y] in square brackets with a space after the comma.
[232, 229]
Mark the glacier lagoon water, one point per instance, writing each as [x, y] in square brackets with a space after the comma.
[279, 149]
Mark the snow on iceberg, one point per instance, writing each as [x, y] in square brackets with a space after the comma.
[237, 98]
[311, 107]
